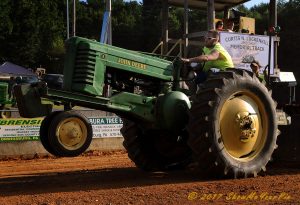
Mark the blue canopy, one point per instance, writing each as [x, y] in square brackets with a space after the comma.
[10, 68]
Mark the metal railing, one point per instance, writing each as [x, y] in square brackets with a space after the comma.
[176, 42]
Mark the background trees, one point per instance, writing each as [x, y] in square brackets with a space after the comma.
[32, 33]
[288, 19]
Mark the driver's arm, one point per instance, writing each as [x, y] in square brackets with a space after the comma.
[213, 55]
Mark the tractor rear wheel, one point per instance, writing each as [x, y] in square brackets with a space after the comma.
[70, 134]
[152, 150]
[232, 127]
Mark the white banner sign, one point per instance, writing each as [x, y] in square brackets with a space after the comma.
[244, 48]
[106, 126]
[23, 129]
[19, 129]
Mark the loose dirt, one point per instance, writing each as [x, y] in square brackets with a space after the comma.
[111, 178]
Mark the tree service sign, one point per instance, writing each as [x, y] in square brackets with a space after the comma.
[24, 129]
[106, 126]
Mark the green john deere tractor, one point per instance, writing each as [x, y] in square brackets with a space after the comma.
[228, 126]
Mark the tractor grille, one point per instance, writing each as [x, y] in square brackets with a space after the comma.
[84, 66]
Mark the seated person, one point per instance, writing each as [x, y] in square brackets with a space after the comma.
[215, 56]
[219, 26]
[230, 26]
[255, 66]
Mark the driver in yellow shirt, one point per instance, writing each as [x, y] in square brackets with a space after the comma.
[215, 56]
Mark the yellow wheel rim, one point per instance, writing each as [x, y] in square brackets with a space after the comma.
[72, 133]
[243, 125]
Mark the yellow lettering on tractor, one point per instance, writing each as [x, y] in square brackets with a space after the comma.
[132, 63]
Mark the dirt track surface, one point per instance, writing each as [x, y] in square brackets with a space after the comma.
[113, 179]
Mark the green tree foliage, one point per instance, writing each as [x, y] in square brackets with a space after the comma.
[127, 24]
[6, 24]
[33, 31]
[261, 15]
[198, 20]
[151, 20]
[175, 22]
[89, 18]
[6, 27]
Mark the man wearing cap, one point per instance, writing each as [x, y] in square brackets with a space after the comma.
[255, 66]
[215, 56]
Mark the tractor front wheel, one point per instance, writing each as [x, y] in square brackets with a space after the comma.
[44, 130]
[69, 134]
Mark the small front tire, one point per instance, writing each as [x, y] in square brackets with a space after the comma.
[44, 131]
[70, 134]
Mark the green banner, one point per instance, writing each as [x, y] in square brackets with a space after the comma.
[20, 129]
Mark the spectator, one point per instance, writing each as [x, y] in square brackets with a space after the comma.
[230, 26]
[12, 82]
[255, 67]
[219, 26]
